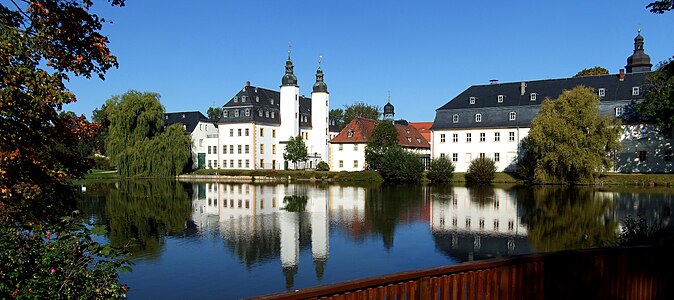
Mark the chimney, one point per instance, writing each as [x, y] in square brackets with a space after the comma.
[523, 88]
[493, 81]
[621, 76]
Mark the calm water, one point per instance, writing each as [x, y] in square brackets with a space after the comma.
[225, 241]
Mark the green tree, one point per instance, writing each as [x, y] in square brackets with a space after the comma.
[592, 71]
[296, 150]
[214, 113]
[440, 170]
[360, 109]
[338, 115]
[571, 140]
[661, 6]
[659, 93]
[42, 44]
[100, 116]
[481, 170]
[383, 137]
[136, 144]
[398, 165]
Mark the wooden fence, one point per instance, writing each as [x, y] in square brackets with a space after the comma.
[613, 273]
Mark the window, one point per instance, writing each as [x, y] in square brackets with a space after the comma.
[483, 136]
[261, 148]
[271, 100]
[257, 98]
[239, 149]
[497, 157]
[236, 113]
[478, 118]
[259, 113]
[231, 163]
[511, 136]
[247, 163]
[418, 140]
[247, 149]
[618, 111]
[482, 155]
[512, 116]
[341, 147]
[472, 100]
[231, 132]
[643, 156]
[455, 157]
[201, 143]
[341, 164]
[355, 147]
[262, 163]
[231, 149]
[533, 96]
[215, 151]
[355, 164]
[668, 155]
[350, 133]
[247, 112]
[247, 132]
[273, 149]
[455, 137]
[497, 136]
[243, 98]
[224, 163]
[236, 99]
[468, 157]
[409, 139]
[455, 118]
[272, 114]
[224, 149]
[273, 133]
[442, 138]
[225, 113]
[239, 131]
[601, 92]
[240, 165]
[266, 114]
[500, 98]
[635, 91]
[468, 137]
[261, 131]
[209, 149]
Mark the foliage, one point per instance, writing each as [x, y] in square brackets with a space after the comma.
[659, 93]
[58, 262]
[361, 109]
[296, 150]
[398, 165]
[100, 116]
[661, 6]
[322, 166]
[214, 113]
[440, 170]
[569, 141]
[592, 71]
[383, 137]
[136, 144]
[481, 170]
[295, 203]
[337, 114]
[102, 163]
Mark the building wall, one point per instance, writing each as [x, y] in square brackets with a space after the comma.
[462, 151]
[199, 136]
[347, 157]
[644, 149]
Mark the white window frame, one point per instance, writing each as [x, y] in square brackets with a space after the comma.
[455, 137]
[483, 136]
[512, 116]
[469, 137]
[601, 92]
[472, 100]
[532, 96]
[442, 138]
[618, 111]
[635, 91]
[478, 118]
[455, 157]
[500, 98]
[225, 113]
[455, 118]
[497, 136]
[511, 136]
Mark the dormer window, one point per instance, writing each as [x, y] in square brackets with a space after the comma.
[472, 100]
[236, 113]
[183, 116]
[349, 133]
[533, 96]
[618, 111]
[512, 116]
[243, 98]
[271, 100]
[478, 118]
[409, 139]
[601, 92]
[257, 98]
[272, 114]
[266, 114]
[260, 113]
[247, 112]
[407, 131]
[225, 113]
[635, 91]
[236, 99]
[500, 98]
[419, 140]
[455, 118]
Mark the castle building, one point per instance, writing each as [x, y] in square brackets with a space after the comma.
[491, 120]
[257, 123]
[201, 130]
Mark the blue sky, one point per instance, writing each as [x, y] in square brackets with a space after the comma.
[199, 53]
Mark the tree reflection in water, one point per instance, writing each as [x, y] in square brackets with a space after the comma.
[563, 218]
[388, 206]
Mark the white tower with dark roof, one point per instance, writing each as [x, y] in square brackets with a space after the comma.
[320, 104]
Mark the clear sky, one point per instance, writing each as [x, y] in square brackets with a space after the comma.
[199, 53]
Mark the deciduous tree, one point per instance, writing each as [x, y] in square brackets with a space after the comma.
[659, 93]
[296, 150]
[360, 109]
[592, 71]
[571, 140]
[661, 6]
[214, 113]
[383, 137]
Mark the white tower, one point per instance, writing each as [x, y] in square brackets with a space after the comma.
[320, 101]
[290, 104]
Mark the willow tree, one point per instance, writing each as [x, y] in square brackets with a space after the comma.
[138, 144]
[570, 140]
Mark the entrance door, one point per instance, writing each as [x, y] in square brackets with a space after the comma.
[201, 158]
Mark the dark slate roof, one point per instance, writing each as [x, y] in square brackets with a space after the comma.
[496, 114]
[189, 118]
[266, 101]
[334, 125]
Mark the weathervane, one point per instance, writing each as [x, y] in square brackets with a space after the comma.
[320, 58]
[389, 96]
[289, 48]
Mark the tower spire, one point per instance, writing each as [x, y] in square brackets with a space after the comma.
[389, 113]
[639, 61]
[289, 79]
[320, 86]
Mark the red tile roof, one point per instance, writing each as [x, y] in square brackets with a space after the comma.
[424, 128]
[359, 130]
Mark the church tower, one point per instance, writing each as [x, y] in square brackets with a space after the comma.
[388, 110]
[289, 103]
[639, 61]
[320, 103]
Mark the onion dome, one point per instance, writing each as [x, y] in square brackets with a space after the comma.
[289, 78]
[639, 61]
[320, 86]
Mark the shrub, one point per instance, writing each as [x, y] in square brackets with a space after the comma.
[441, 170]
[102, 163]
[322, 166]
[398, 165]
[481, 170]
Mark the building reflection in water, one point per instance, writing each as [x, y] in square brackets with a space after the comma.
[261, 222]
[470, 223]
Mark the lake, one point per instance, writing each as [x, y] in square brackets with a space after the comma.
[211, 240]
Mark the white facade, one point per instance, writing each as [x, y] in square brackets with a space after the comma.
[463, 146]
[347, 157]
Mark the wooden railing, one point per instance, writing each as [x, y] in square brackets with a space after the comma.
[612, 273]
